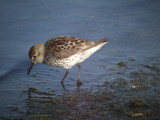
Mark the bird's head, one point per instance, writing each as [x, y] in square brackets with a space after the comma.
[36, 54]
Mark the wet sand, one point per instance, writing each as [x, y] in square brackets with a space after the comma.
[120, 81]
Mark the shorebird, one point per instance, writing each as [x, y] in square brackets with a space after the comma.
[64, 51]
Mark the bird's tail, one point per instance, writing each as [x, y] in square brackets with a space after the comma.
[104, 40]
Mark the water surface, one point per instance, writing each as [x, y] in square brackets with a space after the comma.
[120, 67]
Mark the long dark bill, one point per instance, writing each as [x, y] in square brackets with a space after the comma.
[30, 67]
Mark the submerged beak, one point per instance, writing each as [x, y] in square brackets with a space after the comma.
[30, 67]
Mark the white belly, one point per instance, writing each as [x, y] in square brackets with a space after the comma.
[80, 57]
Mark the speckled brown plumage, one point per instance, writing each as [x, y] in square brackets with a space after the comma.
[65, 46]
[64, 51]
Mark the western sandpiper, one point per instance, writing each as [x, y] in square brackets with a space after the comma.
[64, 51]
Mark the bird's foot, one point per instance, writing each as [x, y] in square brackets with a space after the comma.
[62, 84]
[79, 83]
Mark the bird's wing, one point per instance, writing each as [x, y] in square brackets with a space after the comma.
[65, 46]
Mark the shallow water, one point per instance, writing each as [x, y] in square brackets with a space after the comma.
[132, 27]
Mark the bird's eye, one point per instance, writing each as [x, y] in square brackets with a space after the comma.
[34, 57]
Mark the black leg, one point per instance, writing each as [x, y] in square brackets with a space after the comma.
[64, 76]
[79, 83]
[79, 70]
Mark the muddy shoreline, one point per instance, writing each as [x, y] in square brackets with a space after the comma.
[120, 81]
[134, 96]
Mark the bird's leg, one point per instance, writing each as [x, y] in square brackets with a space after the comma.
[64, 76]
[79, 83]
